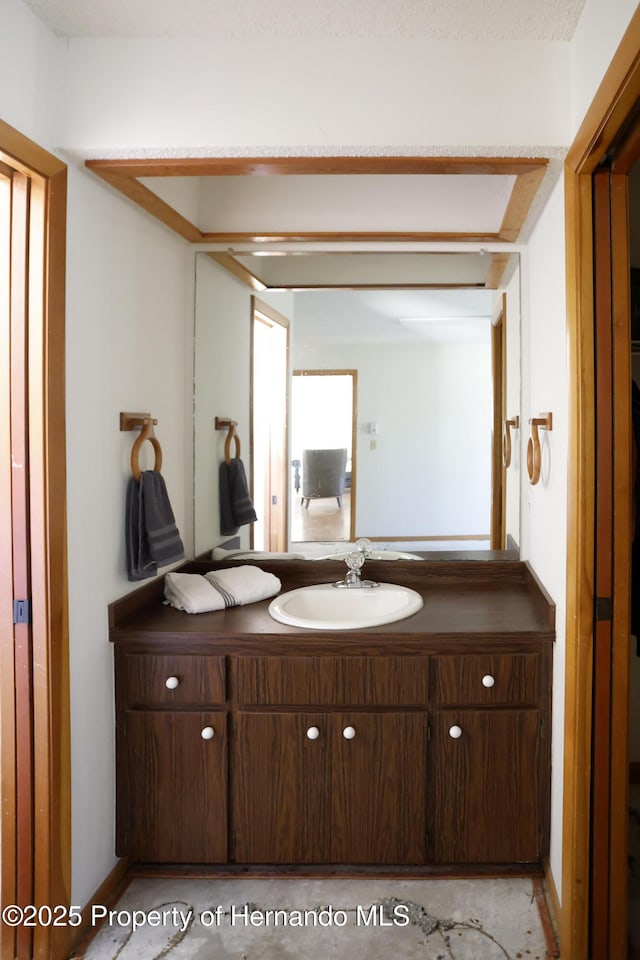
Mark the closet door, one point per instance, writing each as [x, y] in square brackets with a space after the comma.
[34, 717]
[611, 632]
[16, 678]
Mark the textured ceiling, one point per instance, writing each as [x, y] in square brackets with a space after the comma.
[383, 19]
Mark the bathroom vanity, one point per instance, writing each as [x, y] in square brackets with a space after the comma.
[418, 744]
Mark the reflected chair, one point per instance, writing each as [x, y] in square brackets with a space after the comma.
[323, 474]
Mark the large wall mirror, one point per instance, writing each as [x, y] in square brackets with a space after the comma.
[432, 359]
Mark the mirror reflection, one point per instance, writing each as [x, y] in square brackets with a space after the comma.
[324, 429]
[424, 379]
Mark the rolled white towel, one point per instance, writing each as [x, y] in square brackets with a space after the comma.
[246, 584]
[194, 593]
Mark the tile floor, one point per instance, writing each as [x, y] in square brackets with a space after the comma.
[293, 919]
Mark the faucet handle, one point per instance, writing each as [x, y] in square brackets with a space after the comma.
[355, 561]
[364, 547]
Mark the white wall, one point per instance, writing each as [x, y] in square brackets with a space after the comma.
[602, 24]
[33, 71]
[414, 96]
[430, 471]
[514, 405]
[222, 336]
[127, 350]
[544, 506]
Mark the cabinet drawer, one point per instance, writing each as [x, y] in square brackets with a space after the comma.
[333, 681]
[159, 680]
[486, 679]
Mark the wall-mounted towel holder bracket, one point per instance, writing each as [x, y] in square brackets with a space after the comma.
[223, 423]
[534, 453]
[513, 423]
[145, 423]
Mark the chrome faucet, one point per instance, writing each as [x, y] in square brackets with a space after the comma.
[355, 561]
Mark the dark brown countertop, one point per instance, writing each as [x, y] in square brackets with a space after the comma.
[472, 601]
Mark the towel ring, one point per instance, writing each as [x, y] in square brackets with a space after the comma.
[506, 439]
[232, 435]
[534, 451]
[147, 433]
[229, 425]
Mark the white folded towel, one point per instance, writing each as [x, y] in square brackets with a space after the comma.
[218, 589]
[191, 592]
[246, 584]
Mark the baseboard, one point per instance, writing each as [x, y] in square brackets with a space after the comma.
[106, 895]
[334, 871]
[552, 898]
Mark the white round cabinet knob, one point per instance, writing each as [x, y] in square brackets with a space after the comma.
[313, 733]
[455, 732]
[172, 682]
[349, 733]
[488, 680]
[207, 733]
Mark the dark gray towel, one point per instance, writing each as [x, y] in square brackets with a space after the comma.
[140, 564]
[165, 545]
[152, 538]
[236, 507]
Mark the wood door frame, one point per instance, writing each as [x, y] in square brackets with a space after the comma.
[610, 108]
[498, 469]
[48, 556]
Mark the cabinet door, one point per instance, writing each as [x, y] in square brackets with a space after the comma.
[378, 788]
[172, 790]
[281, 788]
[488, 786]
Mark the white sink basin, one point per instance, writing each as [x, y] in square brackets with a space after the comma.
[325, 607]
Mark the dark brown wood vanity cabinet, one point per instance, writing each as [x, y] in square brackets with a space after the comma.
[490, 751]
[331, 760]
[425, 744]
[440, 759]
[171, 743]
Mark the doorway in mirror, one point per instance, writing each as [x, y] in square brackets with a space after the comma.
[269, 358]
[323, 474]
